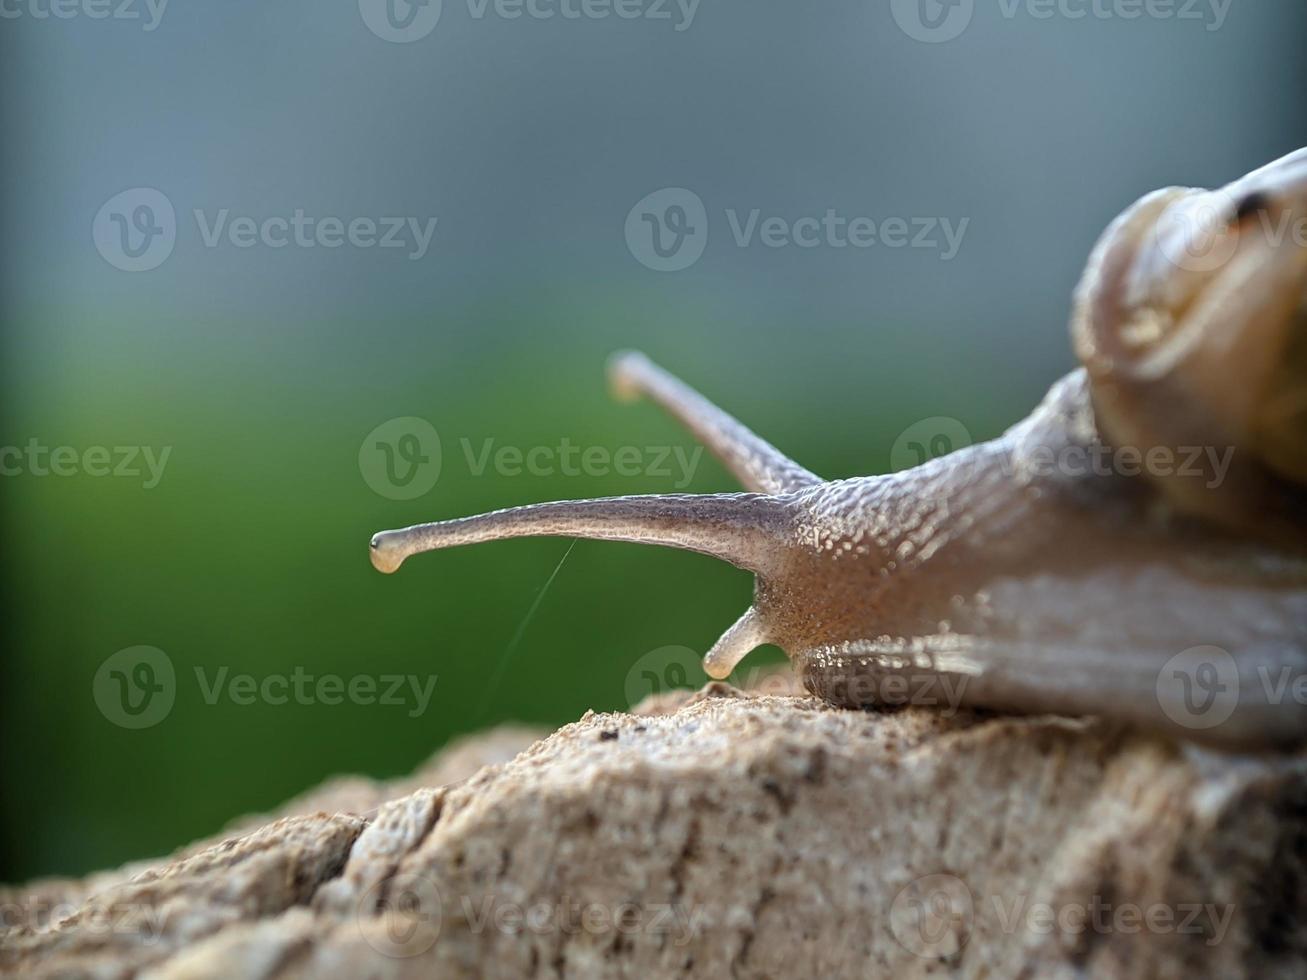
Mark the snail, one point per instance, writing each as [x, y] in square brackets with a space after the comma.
[1075, 564]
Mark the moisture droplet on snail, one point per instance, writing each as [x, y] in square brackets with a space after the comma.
[1040, 588]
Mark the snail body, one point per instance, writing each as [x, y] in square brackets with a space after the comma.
[1061, 567]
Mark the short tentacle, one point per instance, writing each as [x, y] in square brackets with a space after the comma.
[756, 463]
[736, 643]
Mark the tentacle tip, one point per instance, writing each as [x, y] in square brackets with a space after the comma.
[386, 556]
[736, 643]
[623, 366]
[718, 668]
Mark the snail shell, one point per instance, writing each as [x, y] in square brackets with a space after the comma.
[1192, 323]
[1135, 549]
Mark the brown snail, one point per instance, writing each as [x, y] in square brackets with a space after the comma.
[1074, 564]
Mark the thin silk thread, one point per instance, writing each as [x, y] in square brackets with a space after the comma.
[520, 632]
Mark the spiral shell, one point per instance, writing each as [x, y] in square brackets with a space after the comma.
[1191, 321]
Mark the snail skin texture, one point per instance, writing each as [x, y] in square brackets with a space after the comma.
[1011, 571]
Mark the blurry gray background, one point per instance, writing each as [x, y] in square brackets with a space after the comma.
[530, 139]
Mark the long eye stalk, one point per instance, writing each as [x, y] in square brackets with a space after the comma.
[746, 529]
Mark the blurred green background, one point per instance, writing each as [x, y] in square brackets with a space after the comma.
[265, 369]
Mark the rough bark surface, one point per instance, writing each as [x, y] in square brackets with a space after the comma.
[730, 835]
